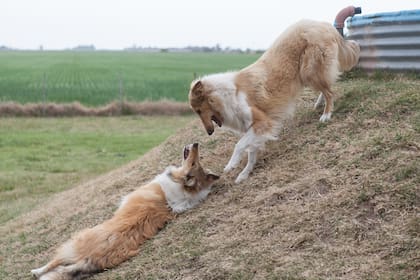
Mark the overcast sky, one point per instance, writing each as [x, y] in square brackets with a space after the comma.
[58, 24]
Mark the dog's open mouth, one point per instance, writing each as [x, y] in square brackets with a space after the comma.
[216, 120]
[186, 152]
[189, 148]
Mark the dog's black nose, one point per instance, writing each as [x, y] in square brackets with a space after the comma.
[210, 131]
[195, 145]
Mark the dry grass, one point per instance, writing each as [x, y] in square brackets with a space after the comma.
[147, 108]
[327, 201]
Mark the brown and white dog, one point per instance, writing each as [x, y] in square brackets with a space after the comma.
[141, 214]
[256, 100]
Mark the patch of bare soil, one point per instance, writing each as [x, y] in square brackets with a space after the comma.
[337, 201]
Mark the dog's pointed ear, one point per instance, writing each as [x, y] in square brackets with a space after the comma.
[197, 88]
[190, 182]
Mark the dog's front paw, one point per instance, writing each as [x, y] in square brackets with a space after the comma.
[228, 168]
[36, 272]
[241, 177]
[325, 117]
[232, 164]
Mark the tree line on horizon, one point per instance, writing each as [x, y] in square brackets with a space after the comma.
[193, 49]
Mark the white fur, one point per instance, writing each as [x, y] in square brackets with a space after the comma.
[53, 275]
[250, 142]
[236, 112]
[123, 202]
[320, 101]
[39, 271]
[64, 272]
[238, 117]
[177, 197]
[222, 81]
[325, 117]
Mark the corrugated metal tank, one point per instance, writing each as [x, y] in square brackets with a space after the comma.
[387, 40]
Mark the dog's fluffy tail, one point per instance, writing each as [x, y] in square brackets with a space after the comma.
[348, 54]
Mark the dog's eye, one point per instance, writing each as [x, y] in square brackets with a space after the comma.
[199, 112]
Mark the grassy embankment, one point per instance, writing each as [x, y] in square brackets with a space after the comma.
[336, 200]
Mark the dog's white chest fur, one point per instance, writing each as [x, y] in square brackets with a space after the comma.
[236, 111]
[177, 197]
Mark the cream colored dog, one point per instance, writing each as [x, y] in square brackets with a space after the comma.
[141, 214]
[256, 100]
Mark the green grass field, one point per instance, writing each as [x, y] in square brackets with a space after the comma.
[42, 156]
[93, 78]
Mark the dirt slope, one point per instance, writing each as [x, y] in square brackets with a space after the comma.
[337, 200]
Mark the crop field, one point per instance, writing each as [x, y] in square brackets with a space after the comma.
[42, 156]
[97, 78]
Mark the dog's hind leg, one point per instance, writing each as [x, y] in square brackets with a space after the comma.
[46, 268]
[79, 270]
[55, 275]
[319, 69]
[329, 104]
[320, 101]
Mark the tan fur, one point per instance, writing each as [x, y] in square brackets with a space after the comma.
[140, 217]
[118, 239]
[308, 53]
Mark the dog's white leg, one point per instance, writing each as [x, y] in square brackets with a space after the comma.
[329, 104]
[65, 272]
[236, 157]
[52, 275]
[320, 101]
[252, 159]
[240, 147]
[39, 271]
[325, 117]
